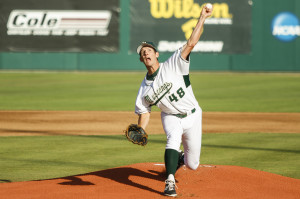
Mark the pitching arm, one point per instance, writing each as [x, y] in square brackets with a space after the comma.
[196, 34]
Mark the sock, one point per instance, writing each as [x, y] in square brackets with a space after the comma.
[171, 177]
[171, 161]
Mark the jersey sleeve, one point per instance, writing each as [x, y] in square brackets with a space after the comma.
[177, 64]
[141, 106]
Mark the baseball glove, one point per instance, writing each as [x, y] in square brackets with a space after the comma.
[136, 134]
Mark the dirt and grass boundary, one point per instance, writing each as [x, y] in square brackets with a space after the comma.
[23, 123]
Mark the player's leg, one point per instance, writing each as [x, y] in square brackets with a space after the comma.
[191, 140]
[173, 130]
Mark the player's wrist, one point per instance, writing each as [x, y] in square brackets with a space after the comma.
[202, 18]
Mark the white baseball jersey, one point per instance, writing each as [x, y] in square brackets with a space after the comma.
[168, 88]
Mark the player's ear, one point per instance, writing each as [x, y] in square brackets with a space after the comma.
[141, 59]
[157, 54]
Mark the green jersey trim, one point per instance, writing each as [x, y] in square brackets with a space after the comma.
[151, 77]
[187, 81]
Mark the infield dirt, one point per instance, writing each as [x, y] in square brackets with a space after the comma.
[104, 122]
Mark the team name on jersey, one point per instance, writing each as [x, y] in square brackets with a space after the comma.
[159, 93]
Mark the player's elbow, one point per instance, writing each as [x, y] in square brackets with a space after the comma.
[191, 44]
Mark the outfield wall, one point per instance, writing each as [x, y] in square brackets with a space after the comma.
[267, 52]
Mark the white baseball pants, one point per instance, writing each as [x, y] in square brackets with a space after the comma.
[187, 131]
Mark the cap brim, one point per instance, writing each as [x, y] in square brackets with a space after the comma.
[138, 50]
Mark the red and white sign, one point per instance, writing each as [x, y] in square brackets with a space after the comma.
[57, 23]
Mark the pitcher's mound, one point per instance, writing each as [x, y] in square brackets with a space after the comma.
[146, 180]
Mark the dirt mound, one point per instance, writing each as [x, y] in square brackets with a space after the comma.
[146, 180]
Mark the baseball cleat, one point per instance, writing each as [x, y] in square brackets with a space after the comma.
[170, 188]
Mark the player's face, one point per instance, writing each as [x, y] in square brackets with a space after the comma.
[148, 56]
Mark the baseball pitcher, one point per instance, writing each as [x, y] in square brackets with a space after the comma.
[167, 85]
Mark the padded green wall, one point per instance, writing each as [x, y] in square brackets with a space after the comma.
[268, 53]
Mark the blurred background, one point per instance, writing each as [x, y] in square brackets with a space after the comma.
[88, 35]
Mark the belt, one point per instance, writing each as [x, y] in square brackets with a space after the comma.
[185, 114]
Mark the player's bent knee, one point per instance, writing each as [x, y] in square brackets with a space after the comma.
[192, 166]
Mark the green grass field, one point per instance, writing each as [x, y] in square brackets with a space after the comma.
[33, 158]
[116, 91]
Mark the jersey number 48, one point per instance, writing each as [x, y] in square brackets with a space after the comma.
[180, 92]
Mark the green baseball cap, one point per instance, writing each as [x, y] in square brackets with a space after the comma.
[145, 43]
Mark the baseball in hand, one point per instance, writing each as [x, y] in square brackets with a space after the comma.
[209, 6]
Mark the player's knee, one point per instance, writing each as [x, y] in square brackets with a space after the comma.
[192, 165]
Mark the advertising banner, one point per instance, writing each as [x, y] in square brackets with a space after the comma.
[59, 26]
[286, 26]
[169, 23]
